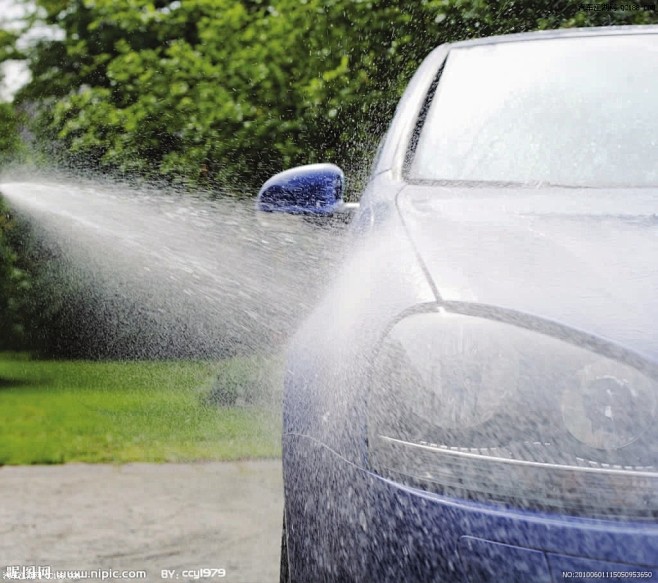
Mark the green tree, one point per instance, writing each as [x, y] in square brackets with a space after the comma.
[14, 287]
[11, 146]
[10, 143]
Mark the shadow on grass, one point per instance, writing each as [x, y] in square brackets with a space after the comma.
[13, 383]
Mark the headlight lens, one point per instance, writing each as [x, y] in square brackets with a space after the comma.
[610, 407]
[481, 409]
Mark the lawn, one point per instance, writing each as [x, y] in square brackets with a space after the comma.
[66, 411]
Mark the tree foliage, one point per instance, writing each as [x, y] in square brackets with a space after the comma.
[229, 91]
[14, 287]
[11, 144]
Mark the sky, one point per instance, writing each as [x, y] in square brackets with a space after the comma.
[9, 10]
[14, 73]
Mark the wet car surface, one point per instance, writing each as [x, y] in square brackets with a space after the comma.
[475, 399]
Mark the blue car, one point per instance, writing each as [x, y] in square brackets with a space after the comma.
[476, 397]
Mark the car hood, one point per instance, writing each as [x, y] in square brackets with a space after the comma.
[586, 258]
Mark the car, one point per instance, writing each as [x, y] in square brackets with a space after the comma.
[475, 398]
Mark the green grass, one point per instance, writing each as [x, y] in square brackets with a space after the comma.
[66, 411]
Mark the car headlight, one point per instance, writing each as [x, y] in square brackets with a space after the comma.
[485, 410]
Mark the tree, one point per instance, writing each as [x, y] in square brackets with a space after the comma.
[10, 140]
[14, 285]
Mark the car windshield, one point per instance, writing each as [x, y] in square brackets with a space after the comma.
[570, 111]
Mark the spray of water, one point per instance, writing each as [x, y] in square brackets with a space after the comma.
[179, 274]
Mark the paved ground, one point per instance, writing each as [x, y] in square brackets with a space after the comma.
[145, 516]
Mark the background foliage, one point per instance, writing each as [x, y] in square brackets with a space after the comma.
[14, 287]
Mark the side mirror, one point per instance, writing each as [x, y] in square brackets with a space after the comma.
[315, 189]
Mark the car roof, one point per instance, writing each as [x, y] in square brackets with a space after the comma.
[558, 33]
